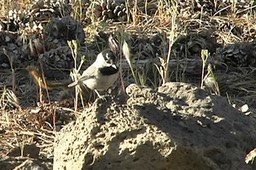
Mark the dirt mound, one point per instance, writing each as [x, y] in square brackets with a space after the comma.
[179, 126]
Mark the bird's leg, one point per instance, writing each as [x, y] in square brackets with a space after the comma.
[100, 96]
[103, 97]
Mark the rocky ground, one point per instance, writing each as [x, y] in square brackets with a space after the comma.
[177, 126]
[204, 118]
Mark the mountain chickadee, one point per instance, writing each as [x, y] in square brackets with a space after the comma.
[101, 74]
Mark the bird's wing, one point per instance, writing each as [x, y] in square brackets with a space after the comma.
[80, 80]
[86, 77]
[87, 74]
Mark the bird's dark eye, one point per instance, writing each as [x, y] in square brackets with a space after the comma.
[109, 57]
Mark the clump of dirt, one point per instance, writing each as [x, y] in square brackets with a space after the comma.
[178, 126]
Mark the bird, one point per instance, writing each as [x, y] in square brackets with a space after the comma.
[100, 75]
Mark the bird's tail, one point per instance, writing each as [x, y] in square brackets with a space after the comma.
[43, 83]
[73, 84]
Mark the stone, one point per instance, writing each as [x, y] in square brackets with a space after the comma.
[178, 126]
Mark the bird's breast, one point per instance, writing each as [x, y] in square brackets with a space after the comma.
[101, 82]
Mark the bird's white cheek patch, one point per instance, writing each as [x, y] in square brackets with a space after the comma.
[114, 66]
